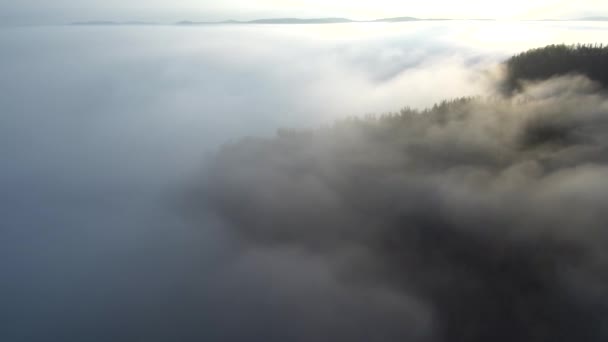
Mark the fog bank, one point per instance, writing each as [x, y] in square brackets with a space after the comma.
[105, 132]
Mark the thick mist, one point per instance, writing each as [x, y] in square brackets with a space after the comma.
[478, 220]
[106, 232]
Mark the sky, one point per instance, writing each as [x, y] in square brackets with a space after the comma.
[61, 11]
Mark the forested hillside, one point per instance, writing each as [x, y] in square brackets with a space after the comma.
[489, 213]
[556, 60]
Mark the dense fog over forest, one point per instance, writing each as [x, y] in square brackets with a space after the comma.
[357, 182]
[484, 217]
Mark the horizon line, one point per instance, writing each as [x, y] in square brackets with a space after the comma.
[317, 20]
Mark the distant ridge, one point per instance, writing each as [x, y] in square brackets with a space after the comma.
[111, 23]
[297, 21]
[301, 21]
[285, 21]
[273, 21]
[397, 19]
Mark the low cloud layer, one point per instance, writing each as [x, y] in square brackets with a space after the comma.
[103, 130]
[477, 220]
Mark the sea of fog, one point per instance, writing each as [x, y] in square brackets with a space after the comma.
[101, 128]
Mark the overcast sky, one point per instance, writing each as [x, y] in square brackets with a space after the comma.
[58, 11]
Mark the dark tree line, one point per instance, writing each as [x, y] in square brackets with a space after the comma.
[557, 60]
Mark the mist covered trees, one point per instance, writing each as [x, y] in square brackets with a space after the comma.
[484, 216]
[557, 60]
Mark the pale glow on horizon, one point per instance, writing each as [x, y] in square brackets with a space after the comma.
[212, 10]
[468, 9]
[429, 9]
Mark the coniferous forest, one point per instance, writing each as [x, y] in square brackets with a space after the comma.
[488, 209]
[555, 60]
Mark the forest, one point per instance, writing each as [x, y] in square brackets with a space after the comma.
[489, 211]
[555, 60]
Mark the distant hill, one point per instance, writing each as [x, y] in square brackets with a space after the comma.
[188, 22]
[194, 23]
[111, 23]
[272, 21]
[396, 19]
[301, 21]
